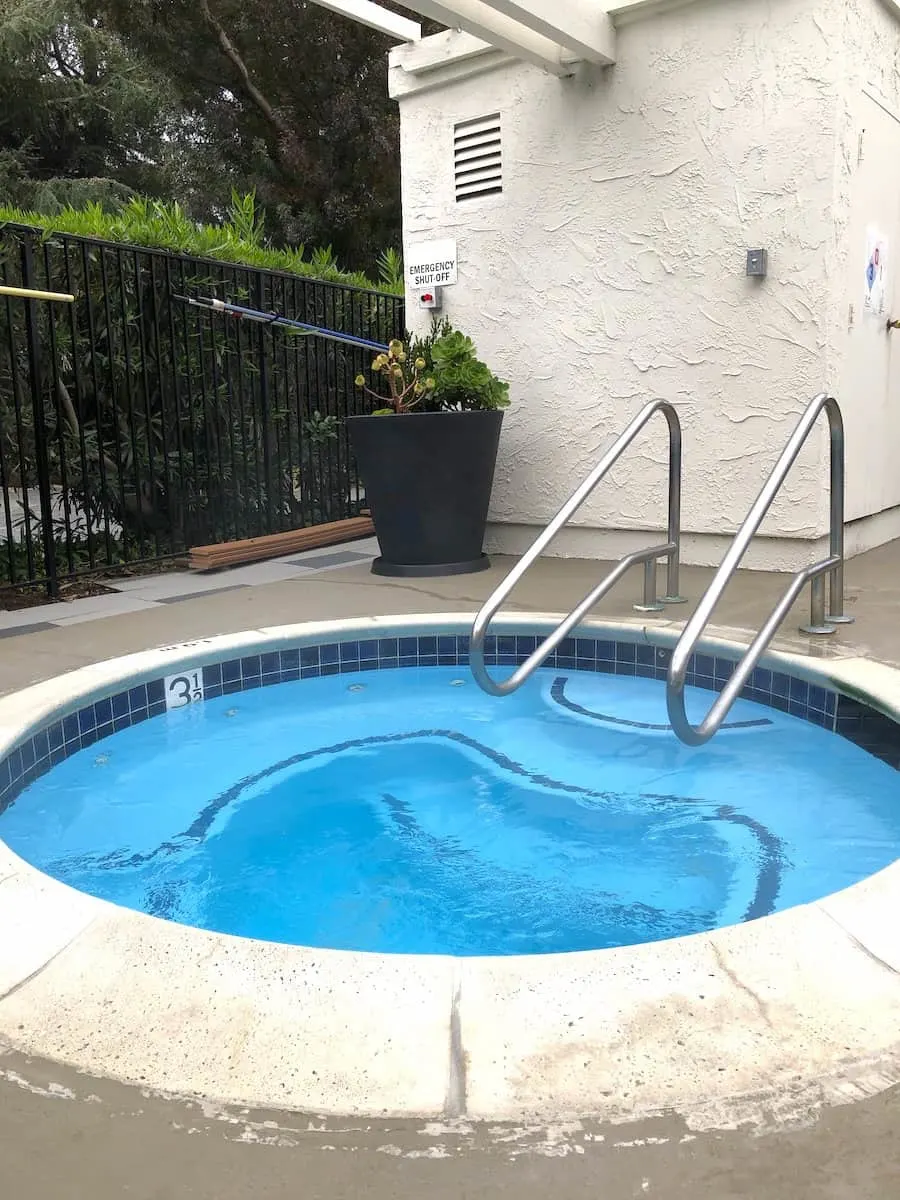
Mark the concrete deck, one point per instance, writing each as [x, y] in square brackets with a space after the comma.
[68, 1135]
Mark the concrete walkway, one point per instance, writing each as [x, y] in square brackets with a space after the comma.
[143, 592]
[68, 1136]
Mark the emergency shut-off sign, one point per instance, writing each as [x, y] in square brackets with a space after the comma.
[431, 264]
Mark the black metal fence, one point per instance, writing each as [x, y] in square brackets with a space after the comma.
[133, 426]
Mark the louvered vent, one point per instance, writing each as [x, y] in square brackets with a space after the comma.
[477, 166]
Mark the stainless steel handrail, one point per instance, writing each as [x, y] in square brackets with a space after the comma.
[819, 622]
[670, 550]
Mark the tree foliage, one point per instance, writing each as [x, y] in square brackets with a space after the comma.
[189, 100]
[81, 119]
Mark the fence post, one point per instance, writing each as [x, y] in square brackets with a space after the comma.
[42, 460]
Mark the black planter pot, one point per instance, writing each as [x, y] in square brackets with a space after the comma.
[428, 480]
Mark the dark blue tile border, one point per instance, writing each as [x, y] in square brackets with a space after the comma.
[822, 706]
[870, 730]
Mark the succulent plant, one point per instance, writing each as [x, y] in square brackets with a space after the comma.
[438, 373]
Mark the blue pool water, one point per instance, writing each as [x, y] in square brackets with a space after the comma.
[406, 811]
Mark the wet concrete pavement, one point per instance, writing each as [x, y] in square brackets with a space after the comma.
[68, 1137]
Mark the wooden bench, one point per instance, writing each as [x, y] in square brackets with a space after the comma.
[273, 545]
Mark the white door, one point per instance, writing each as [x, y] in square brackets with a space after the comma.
[869, 387]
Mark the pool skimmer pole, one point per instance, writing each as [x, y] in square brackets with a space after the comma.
[240, 312]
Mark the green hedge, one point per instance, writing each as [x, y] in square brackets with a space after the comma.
[240, 239]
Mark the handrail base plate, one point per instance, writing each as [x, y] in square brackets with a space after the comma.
[819, 630]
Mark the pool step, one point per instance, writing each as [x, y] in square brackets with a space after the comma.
[273, 545]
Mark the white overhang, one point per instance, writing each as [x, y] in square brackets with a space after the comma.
[366, 12]
[554, 35]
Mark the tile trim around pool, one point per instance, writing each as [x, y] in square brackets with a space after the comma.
[802, 1002]
[54, 742]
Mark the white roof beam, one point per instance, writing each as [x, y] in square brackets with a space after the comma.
[480, 20]
[439, 49]
[365, 12]
[580, 25]
[624, 12]
[438, 59]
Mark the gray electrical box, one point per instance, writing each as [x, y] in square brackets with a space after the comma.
[757, 263]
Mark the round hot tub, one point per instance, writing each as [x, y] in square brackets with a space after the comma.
[364, 794]
[338, 876]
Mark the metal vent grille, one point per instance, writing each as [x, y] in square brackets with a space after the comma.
[477, 165]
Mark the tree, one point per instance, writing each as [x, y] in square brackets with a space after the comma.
[282, 97]
[81, 118]
[189, 100]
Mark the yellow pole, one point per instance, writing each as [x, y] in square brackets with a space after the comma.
[34, 294]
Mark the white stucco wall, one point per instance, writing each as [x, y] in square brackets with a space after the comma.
[611, 269]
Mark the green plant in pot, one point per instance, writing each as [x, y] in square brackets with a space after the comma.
[427, 453]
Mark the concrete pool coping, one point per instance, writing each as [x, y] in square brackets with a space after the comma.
[709, 1025]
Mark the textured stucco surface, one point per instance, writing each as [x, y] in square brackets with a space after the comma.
[611, 270]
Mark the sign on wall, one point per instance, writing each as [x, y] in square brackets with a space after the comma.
[876, 272]
[431, 264]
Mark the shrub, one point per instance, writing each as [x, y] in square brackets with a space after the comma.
[239, 239]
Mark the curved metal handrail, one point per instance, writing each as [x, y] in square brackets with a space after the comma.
[819, 622]
[670, 550]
